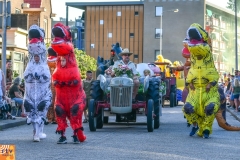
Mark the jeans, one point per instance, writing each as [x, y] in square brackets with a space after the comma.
[18, 100]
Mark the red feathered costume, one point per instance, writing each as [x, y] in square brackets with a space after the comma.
[70, 96]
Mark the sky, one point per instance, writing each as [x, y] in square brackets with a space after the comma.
[59, 7]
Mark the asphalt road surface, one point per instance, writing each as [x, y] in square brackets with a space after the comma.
[171, 141]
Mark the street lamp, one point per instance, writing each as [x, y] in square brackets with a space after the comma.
[161, 35]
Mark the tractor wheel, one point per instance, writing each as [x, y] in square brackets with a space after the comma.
[96, 91]
[91, 114]
[99, 117]
[153, 93]
[150, 119]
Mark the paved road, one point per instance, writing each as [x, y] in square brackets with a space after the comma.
[170, 141]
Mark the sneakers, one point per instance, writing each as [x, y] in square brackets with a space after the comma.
[42, 135]
[62, 140]
[36, 138]
[29, 121]
[206, 134]
[194, 130]
[75, 139]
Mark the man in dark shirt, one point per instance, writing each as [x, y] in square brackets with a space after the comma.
[15, 95]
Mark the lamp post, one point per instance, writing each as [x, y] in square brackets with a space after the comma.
[236, 36]
[161, 34]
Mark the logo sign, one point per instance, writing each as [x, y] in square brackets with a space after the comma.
[7, 152]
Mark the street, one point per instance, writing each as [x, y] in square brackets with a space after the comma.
[114, 141]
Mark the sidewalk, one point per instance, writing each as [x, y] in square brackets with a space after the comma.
[9, 123]
[234, 113]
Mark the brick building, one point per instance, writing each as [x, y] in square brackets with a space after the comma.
[25, 13]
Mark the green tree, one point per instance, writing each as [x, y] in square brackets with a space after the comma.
[231, 5]
[85, 62]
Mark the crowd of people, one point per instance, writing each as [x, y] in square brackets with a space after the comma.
[231, 86]
[12, 91]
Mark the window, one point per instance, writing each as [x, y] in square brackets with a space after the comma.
[131, 35]
[119, 14]
[17, 11]
[157, 52]
[157, 33]
[158, 11]
[136, 13]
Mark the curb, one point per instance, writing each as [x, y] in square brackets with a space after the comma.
[233, 114]
[12, 124]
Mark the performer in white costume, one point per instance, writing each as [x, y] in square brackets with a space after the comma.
[37, 96]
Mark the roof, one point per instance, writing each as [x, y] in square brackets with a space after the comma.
[34, 3]
[82, 5]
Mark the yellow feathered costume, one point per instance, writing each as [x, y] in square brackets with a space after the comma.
[201, 105]
[163, 67]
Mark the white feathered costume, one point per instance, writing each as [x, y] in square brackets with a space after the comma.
[37, 96]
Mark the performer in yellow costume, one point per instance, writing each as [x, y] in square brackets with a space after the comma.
[202, 102]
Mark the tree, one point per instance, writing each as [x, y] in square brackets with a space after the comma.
[85, 62]
[231, 5]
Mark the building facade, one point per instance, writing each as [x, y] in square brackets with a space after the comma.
[25, 13]
[160, 30]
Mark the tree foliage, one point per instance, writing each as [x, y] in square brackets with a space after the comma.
[231, 5]
[85, 62]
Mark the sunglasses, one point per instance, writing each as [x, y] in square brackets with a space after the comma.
[126, 54]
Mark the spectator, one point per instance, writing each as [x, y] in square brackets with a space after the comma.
[9, 78]
[236, 92]
[15, 94]
[87, 87]
[3, 96]
[231, 98]
[9, 64]
[225, 78]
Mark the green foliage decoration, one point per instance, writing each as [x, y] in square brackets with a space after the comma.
[85, 62]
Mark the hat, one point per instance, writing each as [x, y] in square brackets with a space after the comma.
[17, 81]
[125, 51]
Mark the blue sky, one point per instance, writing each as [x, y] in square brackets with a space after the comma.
[58, 7]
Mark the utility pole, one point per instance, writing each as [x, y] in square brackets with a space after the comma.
[236, 37]
[5, 14]
[4, 39]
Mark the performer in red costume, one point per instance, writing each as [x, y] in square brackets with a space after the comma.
[70, 96]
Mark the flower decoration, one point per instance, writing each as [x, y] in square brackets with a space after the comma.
[123, 70]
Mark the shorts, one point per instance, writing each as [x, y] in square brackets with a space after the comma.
[231, 97]
[236, 96]
[18, 100]
[87, 103]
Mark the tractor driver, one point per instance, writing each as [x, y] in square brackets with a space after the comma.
[126, 61]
